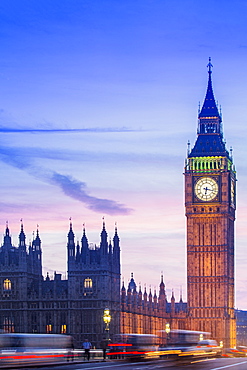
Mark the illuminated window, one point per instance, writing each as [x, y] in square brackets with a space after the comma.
[48, 328]
[63, 329]
[8, 325]
[7, 285]
[88, 283]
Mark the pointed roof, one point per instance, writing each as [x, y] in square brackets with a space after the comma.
[209, 108]
[84, 237]
[7, 237]
[162, 284]
[71, 235]
[103, 232]
[22, 235]
[116, 237]
[132, 284]
[210, 142]
[123, 288]
[145, 293]
[7, 229]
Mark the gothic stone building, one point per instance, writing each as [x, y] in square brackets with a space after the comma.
[147, 313]
[31, 304]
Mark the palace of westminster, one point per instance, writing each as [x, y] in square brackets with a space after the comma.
[30, 303]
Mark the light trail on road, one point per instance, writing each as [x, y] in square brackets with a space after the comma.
[227, 366]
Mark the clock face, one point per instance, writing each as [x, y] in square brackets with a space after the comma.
[206, 189]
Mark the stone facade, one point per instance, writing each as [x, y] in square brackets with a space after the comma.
[144, 313]
[31, 304]
[210, 202]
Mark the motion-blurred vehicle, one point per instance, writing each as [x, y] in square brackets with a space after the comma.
[134, 346]
[190, 343]
[209, 347]
[21, 349]
[239, 351]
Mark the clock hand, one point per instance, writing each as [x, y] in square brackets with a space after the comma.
[206, 189]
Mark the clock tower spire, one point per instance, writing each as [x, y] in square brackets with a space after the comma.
[210, 202]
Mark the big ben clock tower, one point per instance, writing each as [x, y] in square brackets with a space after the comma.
[210, 202]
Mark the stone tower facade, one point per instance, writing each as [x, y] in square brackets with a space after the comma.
[20, 276]
[30, 303]
[210, 203]
[93, 285]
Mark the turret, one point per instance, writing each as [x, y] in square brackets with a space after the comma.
[135, 296]
[145, 298]
[78, 255]
[37, 241]
[22, 239]
[103, 242]
[71, 245]
[37, 254]
[172, 303]
[116, 251]
[84, 245]
[162, 295]
[181, 301]
[129, 295]
[7, 238]
[150, 298]
[123, 294]
[132, 284]
[140, 296]
[155, 300]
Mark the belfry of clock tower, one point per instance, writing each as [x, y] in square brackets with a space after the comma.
[210, 202]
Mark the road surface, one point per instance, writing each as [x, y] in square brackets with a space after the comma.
[207, 364]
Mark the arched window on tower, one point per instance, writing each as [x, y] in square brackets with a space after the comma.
[88, 286]
[88, 283]
[7, 285]
[8, 324]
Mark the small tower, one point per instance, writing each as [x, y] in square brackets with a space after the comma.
[71, 245]
[162, 295]
[7, 238]
[116, 252]
[103, 243]
[172, 304]
[22, 239]
[84, 246]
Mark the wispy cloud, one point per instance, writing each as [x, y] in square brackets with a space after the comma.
[69, 185]
[78, 190]
[4, 129]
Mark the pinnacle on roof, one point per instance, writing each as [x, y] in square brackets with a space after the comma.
[209, 108]
[70, 234]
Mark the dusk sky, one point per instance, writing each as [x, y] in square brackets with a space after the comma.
[98, 100]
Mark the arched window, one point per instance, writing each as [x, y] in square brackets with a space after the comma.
[88, 283]
[7, 285]
[63, 329]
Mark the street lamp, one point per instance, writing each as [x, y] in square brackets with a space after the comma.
[107, 320]
[168, 329]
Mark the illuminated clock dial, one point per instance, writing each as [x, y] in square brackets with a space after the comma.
[206, 189]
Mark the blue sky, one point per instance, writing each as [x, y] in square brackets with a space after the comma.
[97, 102]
